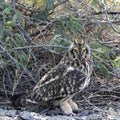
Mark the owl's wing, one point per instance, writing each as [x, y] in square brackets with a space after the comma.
[52, 75]
[59, 85]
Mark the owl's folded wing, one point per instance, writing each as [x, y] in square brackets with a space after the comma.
[59, 87]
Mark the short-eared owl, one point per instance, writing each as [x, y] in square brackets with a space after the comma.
[69, 77]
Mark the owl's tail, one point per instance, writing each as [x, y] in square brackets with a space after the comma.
[18, 100]
[22, 100]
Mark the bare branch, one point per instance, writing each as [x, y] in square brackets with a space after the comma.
[103, 12]
[34, 46]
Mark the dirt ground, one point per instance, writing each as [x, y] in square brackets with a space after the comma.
[111, 112]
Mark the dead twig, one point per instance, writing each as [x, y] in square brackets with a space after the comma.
[103, 12]
[35, 46]
[108, 19]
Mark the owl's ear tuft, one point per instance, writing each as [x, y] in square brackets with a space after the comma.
[80, 43]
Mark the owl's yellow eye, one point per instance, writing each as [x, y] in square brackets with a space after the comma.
[84, 51]
[74, 51]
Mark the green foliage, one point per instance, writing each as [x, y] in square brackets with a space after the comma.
[116, 61]
[101, 67]
[11, 23]
[101, 51]
[1, 32]
[20, 18]
[10, 37]
[44, 4]
[50, 4]
[43, 7]
[19, 40]
[41, 4]
[73, 24]
[101, 56]
[42, 14]
[65, 28]
[116, 64]
[22, 58]
[7, 9]
[68, 26]
[58, 40]
[2, 62]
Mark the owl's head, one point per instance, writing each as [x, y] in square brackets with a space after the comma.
[79, 50]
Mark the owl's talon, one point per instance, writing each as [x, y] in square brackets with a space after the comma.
[76, 111]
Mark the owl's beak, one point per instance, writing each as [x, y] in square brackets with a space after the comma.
[79, 55]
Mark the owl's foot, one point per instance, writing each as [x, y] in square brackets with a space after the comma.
[69, 107]
[66, 108]
[73, 105]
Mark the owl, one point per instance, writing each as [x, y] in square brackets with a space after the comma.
[65, 80]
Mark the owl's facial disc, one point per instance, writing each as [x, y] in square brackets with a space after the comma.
[79, 52]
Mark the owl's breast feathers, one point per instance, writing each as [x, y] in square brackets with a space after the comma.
[58, 83]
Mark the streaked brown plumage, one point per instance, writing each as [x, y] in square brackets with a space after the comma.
[69, 77]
